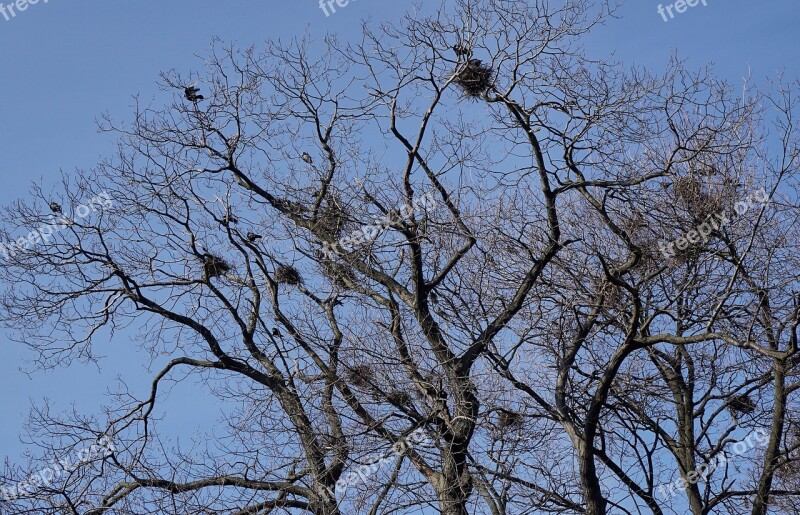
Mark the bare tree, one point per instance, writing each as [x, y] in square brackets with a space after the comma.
[439, 257]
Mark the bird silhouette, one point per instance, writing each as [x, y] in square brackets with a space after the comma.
[461, 50]
[252, 237]
[191, 93]
[276, 333]
[55, 208]
[230, 219]
[307, 158]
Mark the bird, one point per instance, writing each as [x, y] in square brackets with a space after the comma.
[434, 297]
[229, 219]
[241, 182]
[276, 333]
[55, 207]
[190, 92]
[252, 237]
[461, 50]
[307, 158]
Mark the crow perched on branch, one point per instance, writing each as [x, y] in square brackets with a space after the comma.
[55, 208]
[252, 237]
[461, 50]
[191, 93]
[307, 158]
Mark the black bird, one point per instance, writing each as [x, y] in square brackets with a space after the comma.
[461, 50]
[229, 219]
[307, 158]
[252, 237]
[191, 93]
[276, 333]
[55, 207]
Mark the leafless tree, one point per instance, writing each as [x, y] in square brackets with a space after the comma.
[438, 255]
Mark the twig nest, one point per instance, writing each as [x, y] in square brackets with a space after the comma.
[399, 398]
[742, 404]
[508, 419]
[339, 274]
[286, 274]
[360, 375]
[331, 218]
[474, 78]
[215, 266]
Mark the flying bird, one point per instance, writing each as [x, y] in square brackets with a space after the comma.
[252, 237]
[55, 208]
[307, 158]
[191, 93]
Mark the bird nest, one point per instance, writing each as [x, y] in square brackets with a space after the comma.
[508, 419]
[689, 190]
[742, 404]
[215, 266]
[360, 375]
[288, 275]
[399, 398]
[291, 206]
[331, 218]
[340, 275]
[474, 78]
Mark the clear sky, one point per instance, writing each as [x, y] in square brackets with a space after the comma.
[65, 62]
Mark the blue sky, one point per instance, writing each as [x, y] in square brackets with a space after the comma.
[64, 63]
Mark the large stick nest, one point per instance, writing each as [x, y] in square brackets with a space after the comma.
[742, 404]
[288, 275]
[332, 217]
[474, 78]
[214, 266]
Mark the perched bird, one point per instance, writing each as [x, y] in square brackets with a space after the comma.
[276, 333]
[307, 158]
[252, 237]
[55, 208]
[241, 182]
[461, 50]
[191, 93]
[230, 219]
[434, 297]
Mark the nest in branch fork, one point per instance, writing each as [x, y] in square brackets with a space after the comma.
[339, 274]
[215, 266]
[331, 218]
[474, 78]
[360, 375]
[399, 397]
[288, 275]
[742, 404]
[508, 419]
